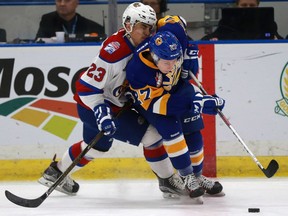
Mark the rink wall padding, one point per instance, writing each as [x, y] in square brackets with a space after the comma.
[134, 168]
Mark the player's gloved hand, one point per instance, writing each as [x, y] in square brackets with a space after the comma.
[212, 103]
[104, 119]
[197, 103]
[131, 95]
[190, 60]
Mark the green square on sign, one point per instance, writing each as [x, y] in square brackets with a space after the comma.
[60, 126]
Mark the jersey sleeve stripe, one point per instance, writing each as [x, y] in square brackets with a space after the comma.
[88, 89]
[198, 158]
[160, 106]
[176, 147]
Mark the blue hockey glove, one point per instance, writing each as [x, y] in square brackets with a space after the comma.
[212, 103]
[104, 119]
[131, 95]
[197, 103]
[190, 62]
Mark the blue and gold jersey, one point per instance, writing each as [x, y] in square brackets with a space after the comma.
[157, 92]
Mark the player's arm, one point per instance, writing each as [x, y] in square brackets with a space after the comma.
[159, 101]
[92, 83]
[90, 91]
[190, 60]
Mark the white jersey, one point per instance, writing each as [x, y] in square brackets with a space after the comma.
[104, 80]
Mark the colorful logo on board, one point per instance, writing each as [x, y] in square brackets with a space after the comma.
[282, 104]
[56, 117]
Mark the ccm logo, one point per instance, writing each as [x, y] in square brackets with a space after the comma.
[191, 119]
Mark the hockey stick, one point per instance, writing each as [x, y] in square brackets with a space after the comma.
[273, 165]
[33, 203]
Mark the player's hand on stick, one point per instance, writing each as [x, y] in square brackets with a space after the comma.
[211, 103]
[208, 104]
[104, 119]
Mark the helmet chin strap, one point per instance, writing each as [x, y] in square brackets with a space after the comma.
[130, 39]
[128, 34]
[155, 58]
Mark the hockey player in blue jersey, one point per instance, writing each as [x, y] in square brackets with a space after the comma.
[192, 121]
[165, 101]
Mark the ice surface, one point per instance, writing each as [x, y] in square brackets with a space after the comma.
[143, 198]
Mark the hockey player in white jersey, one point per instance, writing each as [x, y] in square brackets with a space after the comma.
[99, 96]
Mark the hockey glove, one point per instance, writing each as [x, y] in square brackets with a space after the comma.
[131, 95]
[212, 103]
[104, 119]
[190, 62]
[197, 103]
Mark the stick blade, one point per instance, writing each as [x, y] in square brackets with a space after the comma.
[29, 203]
[271, 169]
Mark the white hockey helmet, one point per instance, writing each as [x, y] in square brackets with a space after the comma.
[138, 12]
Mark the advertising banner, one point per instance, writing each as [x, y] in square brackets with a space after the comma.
[38, 116]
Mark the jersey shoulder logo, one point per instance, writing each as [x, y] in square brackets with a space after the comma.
[112, 47]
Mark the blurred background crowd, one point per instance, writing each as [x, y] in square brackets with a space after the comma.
[29, 21]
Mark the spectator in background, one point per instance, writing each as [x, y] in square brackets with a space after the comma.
[3, 35]
[66, 19]
[222, 32]
[247, 3]
[160, 7]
